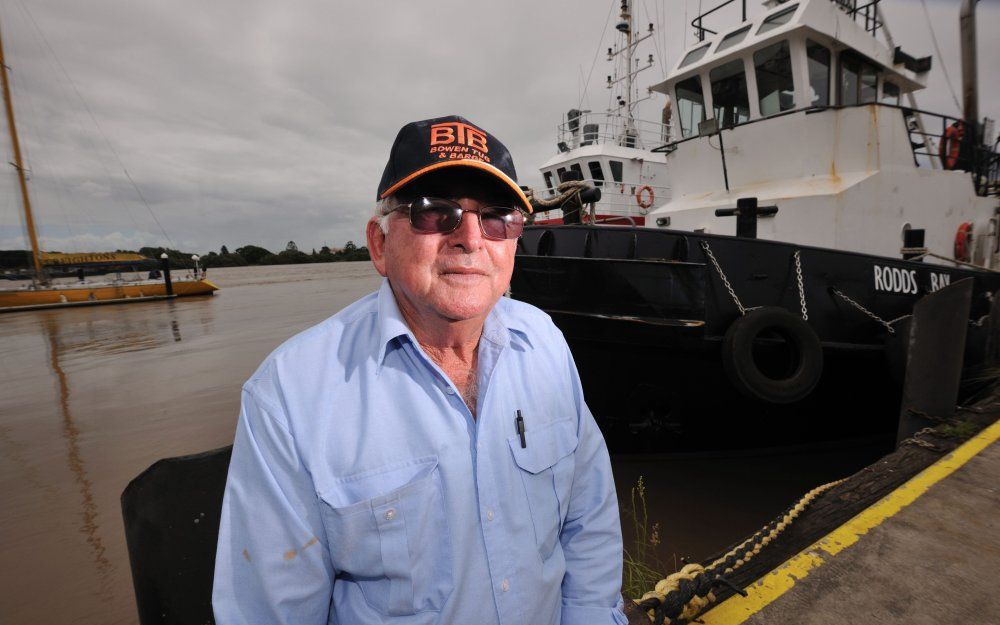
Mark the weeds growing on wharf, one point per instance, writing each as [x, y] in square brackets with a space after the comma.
[642, 567]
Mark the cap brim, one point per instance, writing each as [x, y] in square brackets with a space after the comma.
[462, 163]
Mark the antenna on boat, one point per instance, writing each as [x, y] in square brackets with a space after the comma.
[970, 79]
[626, 70]
[19, 166]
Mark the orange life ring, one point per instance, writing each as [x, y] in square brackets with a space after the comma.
[963, 242]
[644, 203]
[951, 145]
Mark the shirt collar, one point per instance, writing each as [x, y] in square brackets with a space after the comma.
[498, 328]
[391, 324]
[502, 317]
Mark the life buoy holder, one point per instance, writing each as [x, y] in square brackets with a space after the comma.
[641, 199]
[963, 242]
[772, 355]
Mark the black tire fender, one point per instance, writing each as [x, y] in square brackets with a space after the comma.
[743, 370]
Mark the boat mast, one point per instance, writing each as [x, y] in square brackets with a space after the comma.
[629, 75]
[19, 166]
[629, 67]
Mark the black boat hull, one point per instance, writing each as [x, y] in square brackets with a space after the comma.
[646, 314]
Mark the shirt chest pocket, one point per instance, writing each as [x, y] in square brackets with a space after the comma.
[387, 531]
[546, 468]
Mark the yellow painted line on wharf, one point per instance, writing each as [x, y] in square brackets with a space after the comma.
[737, 609]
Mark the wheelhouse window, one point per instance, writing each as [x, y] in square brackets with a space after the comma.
[730, 102]
[561, 173]
[850, 70]
[819, 73]
[890, 93]
[616, 170]
[690, 105]
[858, 79]
[732, 39]
[548, 180]
[596, 173]
[694, 55]
[576, 168]
[773, 67]
[869, 84]
[778, 19]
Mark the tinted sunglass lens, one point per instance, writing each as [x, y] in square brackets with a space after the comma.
[434, 216]
[501, 223]
[437, 216]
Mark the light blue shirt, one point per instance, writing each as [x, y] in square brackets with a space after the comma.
[362, 490]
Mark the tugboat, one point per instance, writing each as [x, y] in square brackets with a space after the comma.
[762, 303]
[606, 171]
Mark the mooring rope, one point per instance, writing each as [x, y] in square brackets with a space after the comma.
[918, 440]
[681, 596]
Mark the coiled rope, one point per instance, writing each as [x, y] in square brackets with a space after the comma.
[564, 191]
[683, 595]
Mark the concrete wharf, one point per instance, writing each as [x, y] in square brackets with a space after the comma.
[926, 553]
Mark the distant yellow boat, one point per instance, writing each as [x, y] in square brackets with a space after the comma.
[100, 292]
[44, 293]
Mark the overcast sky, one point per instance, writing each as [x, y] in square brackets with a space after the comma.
[243, 121]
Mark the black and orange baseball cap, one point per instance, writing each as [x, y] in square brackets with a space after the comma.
[452, 141]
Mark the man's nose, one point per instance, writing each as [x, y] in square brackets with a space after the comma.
[469, 234]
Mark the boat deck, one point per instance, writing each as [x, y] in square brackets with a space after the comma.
[926, 553]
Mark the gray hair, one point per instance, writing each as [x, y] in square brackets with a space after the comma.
[383, 213]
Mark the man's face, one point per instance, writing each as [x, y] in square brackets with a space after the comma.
[445, 277]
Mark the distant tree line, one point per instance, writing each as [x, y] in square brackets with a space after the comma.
[256, 255]
[240, 257]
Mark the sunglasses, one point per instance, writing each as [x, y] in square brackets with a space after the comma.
[431, 215]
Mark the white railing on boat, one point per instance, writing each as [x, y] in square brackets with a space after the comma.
[606, 128]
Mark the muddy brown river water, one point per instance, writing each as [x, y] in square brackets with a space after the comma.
[93, 396]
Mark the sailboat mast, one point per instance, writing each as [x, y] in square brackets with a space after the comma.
[19, 165]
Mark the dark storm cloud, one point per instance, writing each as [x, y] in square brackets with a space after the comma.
[262, 122]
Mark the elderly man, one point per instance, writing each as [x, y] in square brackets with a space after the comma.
[425, 455]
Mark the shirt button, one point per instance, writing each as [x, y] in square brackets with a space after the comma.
[505, 585]
[489, 515]
[450, 391]
[390, 514]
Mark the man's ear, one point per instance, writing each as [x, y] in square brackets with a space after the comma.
[376, 245]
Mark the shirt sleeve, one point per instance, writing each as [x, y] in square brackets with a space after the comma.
[272, 563]
[591, 536]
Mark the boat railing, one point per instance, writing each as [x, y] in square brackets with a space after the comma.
[970, 151]
[865, 12]
[862, 11]
[698, 22]
[604, 128]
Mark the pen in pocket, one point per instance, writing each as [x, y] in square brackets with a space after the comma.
[519, 427]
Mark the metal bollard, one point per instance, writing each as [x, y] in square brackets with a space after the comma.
[166, 273]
